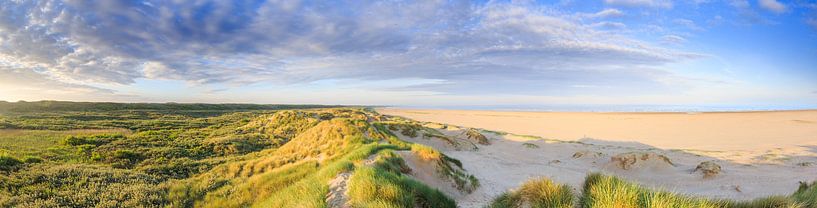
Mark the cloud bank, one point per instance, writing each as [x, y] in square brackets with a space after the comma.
[504, 45]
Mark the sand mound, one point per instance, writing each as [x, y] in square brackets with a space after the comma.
[427, 172]
[439, 174]
[640, 160]
[587, 154]
[434, 125]
[708, 168]
[456, 143]
[475, 136]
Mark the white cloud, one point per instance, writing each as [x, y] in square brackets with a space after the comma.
[609, 25]
[772, 5]
[689, 24]
[673, 39]
[505, 45]
[606, 13]
[641, 3]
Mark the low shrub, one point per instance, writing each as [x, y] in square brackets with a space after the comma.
[9, 163]
[32, 159]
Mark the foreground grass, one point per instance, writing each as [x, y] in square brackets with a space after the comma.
[608, 191]
[384, 185]
[601, 191]
[540, 192]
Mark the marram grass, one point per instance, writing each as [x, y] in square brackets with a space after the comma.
[601, 191]
[539, 192]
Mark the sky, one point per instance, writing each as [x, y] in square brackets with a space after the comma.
[413, 53]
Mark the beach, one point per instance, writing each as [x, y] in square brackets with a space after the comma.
[758, 154]
[715, 131]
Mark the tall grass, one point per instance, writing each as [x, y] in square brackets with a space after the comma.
[609, 191]
[806, 194]
[601, 191]
[537, 193]
[311, 191]
[384, 185]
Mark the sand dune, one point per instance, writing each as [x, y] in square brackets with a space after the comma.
[760, 154]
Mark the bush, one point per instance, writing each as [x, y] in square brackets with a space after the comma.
[9, 163]
[124, 158]
[32, 159]
[530, 145]
[95, 140]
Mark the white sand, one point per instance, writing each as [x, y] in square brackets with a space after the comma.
[756, 162]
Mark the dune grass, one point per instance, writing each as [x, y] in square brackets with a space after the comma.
[602, 191]
[608, 191]
[447, 166]
[806, 194]
[530, 145]
[384, 185]
[537, 193]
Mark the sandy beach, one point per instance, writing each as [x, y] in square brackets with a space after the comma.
[760, 153]
[719, 131]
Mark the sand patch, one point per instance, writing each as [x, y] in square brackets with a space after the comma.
[336, 198]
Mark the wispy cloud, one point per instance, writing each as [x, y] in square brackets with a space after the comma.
[689, 24]
[609, 25]
[812, 22]
[747, 14]
[673, 39]
[606, 13]
[641, 3]
[773, 6]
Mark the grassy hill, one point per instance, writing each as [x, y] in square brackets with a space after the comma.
[157, 155]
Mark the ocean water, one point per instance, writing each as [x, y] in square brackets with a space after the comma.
[614, 108]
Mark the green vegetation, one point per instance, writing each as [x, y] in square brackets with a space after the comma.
[65, 154]
[806, 194]
[530, 145]
[539, 193]
[384, 185]
[609, 191]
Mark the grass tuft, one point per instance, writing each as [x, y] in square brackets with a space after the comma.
[539, 192]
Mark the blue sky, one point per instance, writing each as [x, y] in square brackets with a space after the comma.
[420, 53]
